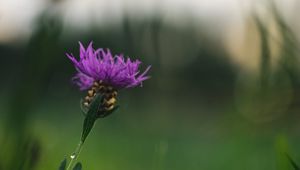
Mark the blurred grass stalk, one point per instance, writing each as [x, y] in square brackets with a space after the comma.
[270, 93]
[20, 149]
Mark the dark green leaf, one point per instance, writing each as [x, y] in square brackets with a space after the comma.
[91, 117]
[63, 165]
[78, 166]
[296, 167]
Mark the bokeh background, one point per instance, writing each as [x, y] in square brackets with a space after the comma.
[224, 91]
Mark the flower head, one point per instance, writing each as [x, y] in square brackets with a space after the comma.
[100, 65]
[101, 72]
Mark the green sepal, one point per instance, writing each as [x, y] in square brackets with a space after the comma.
[102, 114]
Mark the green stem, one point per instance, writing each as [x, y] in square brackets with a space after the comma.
[75, 155]
[88, 125]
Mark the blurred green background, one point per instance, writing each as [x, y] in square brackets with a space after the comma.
[224, 91]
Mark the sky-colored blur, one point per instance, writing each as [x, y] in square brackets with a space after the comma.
[17, 16]
[226, 19]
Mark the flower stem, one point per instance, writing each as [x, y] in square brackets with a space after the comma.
[75, 155]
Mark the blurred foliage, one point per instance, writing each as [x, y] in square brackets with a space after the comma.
[198, 111]
[20, 149]
[267, 95]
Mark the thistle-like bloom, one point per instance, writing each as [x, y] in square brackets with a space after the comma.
[100, 71]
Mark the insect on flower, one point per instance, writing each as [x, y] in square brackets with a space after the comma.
[98, 71]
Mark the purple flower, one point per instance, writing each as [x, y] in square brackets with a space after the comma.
[99, 65]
